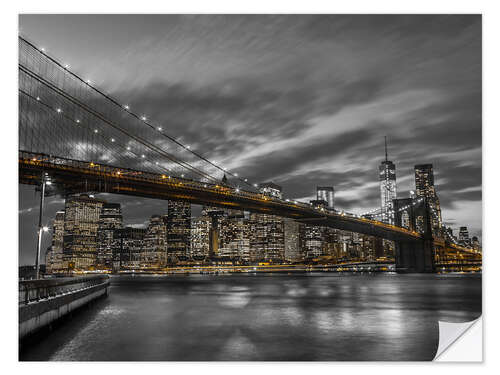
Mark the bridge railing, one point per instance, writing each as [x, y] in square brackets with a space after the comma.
[41, 289]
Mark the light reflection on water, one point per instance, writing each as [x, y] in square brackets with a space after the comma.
[265, 317]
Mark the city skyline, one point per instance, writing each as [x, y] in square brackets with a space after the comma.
[330, 154]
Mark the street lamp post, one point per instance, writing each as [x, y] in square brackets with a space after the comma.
[41, 228]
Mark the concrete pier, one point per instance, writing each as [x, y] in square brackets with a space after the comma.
[44, 301]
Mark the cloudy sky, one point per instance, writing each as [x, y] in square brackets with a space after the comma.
[299, 100]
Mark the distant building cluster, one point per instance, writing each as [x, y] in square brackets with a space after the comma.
[89, 235]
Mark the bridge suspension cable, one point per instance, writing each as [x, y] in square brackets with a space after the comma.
[140, 119]
[115, 126]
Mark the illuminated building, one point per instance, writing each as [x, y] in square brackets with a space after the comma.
[81, 223]
[387, 178]
[178, 230]
[54, 258]
[271, 189]
[155, 243]
[235, 238]
[463, 237]
[327, 194]
[292, 240]
[128, 246]
[110, 219]
[424, 185]
[267, 241]
[200, 233]
[313, 241]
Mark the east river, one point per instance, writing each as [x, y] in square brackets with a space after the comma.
[267, 317]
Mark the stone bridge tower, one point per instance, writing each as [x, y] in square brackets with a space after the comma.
[414, 255]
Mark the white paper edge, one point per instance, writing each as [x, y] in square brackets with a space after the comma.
[460, 342]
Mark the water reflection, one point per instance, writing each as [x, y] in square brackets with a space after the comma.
[265, 317]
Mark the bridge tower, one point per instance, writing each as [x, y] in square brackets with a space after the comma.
[414, 255]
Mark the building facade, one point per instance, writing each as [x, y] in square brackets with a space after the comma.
[128, 247]
[327, 194]
[387, 178]
[81, 224]
[110, 219]
[178, 231]
[424, 188]
[155, 243]
[54, 258]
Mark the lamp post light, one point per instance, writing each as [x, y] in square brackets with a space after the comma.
[41, 228]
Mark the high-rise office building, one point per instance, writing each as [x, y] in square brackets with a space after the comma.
[81, 223]
[110, 219]
[54, 259]
[155, 243]
[292, 232]
[327, 194]
[463, 237]
[178, 230]
[271, 189]
[387, 178]
[313, 241]
[424, 186]
[234, 238]
[200, 237]
[267, 240]
[128, 246]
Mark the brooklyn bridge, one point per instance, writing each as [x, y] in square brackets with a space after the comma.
[79, 139]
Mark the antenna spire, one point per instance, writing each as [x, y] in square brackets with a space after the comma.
[385, 141]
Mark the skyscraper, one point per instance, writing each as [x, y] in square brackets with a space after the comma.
[178, 230]
[463, 237]
[200, 234]
[267, 237]
[387, 178]
[292, 240]
[271, 189]
[424, 186]
[81, 222]
[235, 238]
[155, 243]
[327, 194]
[110, 219]
[128, 246]
[313, 241]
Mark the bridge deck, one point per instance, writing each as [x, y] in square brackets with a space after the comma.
[73, 176]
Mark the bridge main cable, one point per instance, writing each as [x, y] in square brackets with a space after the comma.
[115, 102]
[115, 126]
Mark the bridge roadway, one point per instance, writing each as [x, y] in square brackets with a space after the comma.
[73, 176]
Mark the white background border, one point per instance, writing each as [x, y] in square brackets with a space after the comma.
[9, 186]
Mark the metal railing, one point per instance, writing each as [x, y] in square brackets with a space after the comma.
[42, 289]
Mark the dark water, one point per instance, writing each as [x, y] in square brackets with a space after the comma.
[265, 317]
